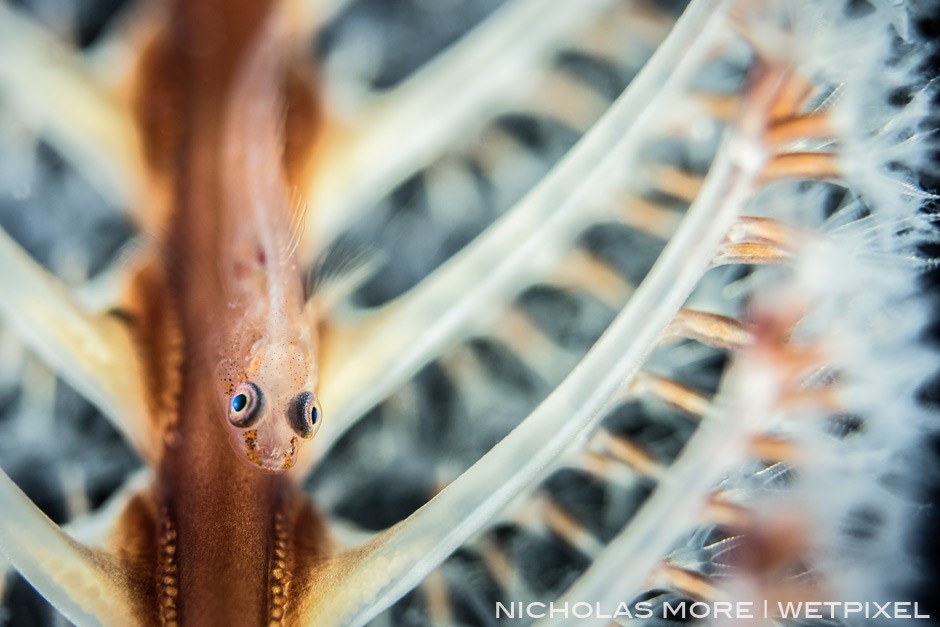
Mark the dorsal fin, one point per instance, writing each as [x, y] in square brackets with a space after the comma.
[298, 221]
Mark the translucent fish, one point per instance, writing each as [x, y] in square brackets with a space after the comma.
[267, 364]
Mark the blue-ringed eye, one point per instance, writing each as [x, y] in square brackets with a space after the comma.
[303, 414]
[245, 407]
[239, 402]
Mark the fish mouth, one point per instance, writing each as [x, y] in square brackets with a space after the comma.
[260, 457]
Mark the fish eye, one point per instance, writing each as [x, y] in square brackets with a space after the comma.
[239, 402]
[245, 406]
[303, 414]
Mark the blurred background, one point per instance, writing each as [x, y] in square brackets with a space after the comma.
[69, 460]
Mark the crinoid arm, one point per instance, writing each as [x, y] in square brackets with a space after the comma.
[364, 360]
[403, 130]
[417, 545]
[93, 353]
[794, 374]
[89, 587]
[53, 90]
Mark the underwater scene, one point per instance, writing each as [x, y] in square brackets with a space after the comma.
[469, 312]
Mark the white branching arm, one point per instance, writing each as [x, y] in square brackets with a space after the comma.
[363, 362]
[400, 557]
[55, 94]
[89, 587]
[405, 130]
[94, 354]
[716, 448]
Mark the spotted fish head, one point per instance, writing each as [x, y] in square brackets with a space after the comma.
[271, 406]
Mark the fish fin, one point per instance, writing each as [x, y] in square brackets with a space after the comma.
[340, 271]
[298, 222]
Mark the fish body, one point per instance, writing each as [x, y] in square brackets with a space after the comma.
[213, 102]
[266, 350]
